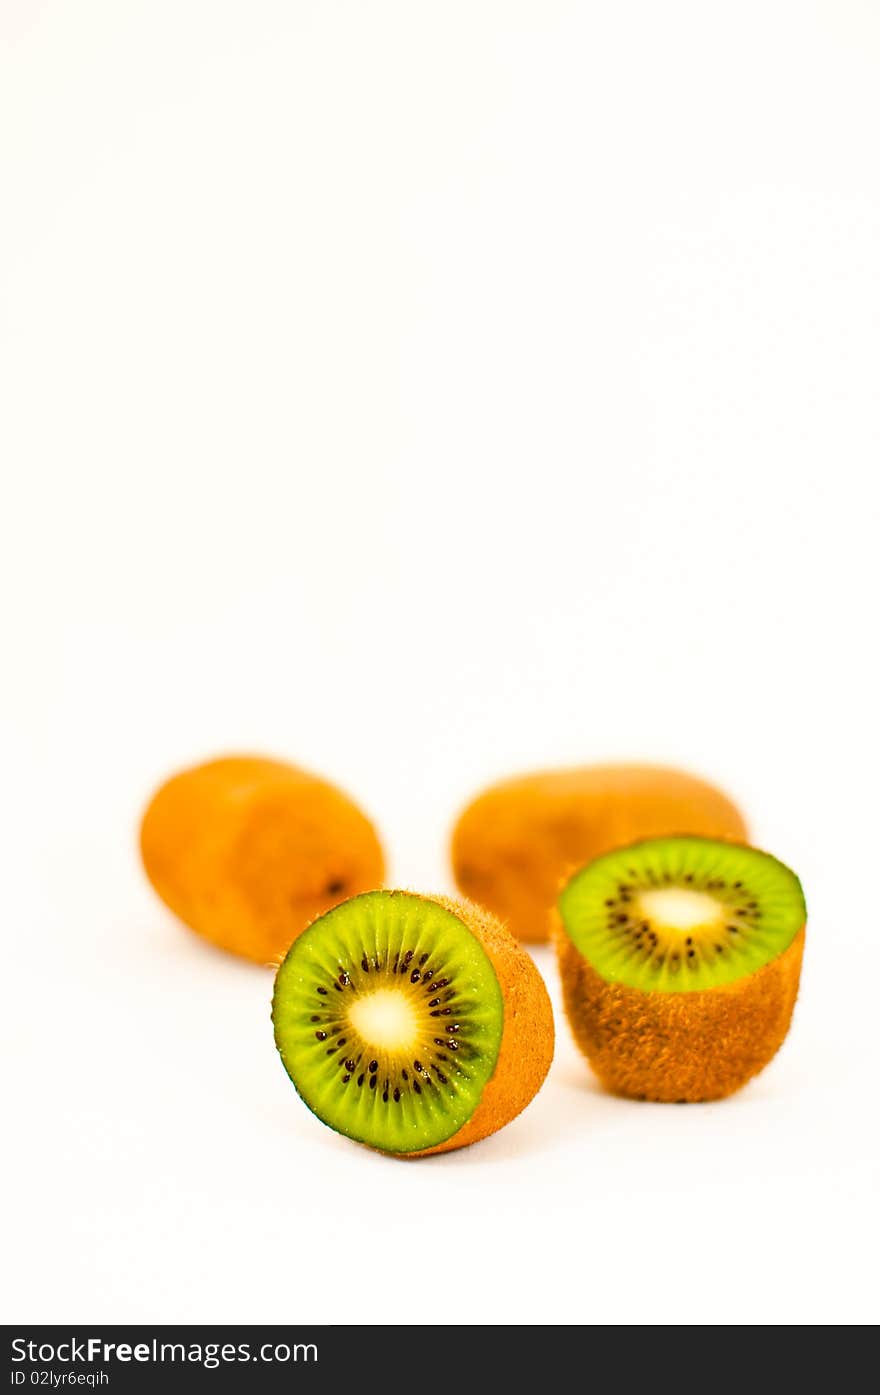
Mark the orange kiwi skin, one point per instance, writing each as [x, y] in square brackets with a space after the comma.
[678, 1047]
[515, 844]
[527, 1039]
[246, 851]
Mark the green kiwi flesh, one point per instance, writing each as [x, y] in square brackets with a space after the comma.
[388, 1016]
[673, 915]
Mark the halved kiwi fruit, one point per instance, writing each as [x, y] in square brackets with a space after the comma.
[412, 1024]
[680, 961]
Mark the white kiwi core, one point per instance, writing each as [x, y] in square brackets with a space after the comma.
[677, 908]
[386, 1019]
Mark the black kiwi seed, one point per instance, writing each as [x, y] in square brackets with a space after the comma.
[417, 1087]
[349, 1065]
[316, 1018]
[374, 1066]
[322, 1036]
[407, 957]
[385, 1095]
[323, 990]
[372, 1082]
[414, 976]
[405, 1074]
[361, 1078]
[429, 973]
[397, 1096]
[417, 1065]
[424, 959]
[365, 964]
[345, 1079]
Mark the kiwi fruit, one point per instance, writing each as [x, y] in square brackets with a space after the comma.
[680, 960]
[412, 1024]
[247, 850]
[513, 846]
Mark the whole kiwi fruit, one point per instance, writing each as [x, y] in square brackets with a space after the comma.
[247, 850]
[515, 843]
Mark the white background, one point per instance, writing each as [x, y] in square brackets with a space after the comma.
[424, 393]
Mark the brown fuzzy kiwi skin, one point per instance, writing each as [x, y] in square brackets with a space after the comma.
[515, 844]
[527, 1038]
[678, 1047]
[247, 851]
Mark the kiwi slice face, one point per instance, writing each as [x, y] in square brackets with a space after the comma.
[388, 1016]
[677, 915]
